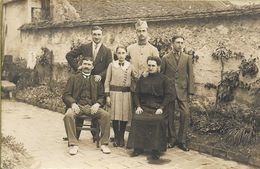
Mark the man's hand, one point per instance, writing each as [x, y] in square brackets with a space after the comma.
[97, 78]
[159, 111]
[139, 110]
[75, 108]
[108, 100]
[94, 108]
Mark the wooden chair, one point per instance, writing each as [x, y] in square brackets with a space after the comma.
[84, 122]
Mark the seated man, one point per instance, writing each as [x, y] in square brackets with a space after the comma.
[149, 123]
[83, 95]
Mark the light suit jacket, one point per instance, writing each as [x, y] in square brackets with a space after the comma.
[180, 73]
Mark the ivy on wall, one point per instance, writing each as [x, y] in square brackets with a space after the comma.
[230, 80]
[249, 67]
[164, 46]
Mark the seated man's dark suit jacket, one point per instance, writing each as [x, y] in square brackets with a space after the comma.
[74, 87]
[101, 62]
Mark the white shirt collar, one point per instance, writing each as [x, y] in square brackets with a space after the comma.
[94, 44]
[125, 67]
[97, 49]
[85, 74]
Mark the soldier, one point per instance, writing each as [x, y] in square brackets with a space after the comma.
[140, 51]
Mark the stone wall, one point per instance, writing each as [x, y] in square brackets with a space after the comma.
[15, 14]
[240, 34]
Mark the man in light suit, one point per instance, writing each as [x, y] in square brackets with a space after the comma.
[177, 66]
[101, 55]
[140, 51]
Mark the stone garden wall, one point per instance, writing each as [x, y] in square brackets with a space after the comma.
[239, 34]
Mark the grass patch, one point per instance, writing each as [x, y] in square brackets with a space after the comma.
[14, 155]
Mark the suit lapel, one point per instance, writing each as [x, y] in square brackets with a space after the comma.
[181, 61]
[99, 54]
[79, 83]
[93, 86]
[89, 48]
[172, 61]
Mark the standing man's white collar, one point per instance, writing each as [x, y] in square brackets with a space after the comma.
[96, 44]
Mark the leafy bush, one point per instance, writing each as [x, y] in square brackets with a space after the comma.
[27, 78]
[249, 67]
[243, 134]
[46, 58]
[227, 86]
[222, 53]
[210, 86]
[164, 46]
[44, 96]
[234, 122]
[13, 154]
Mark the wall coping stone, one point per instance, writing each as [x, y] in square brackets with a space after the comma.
[245, 11]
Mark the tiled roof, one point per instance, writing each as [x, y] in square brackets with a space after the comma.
[104, 12]
[127, 9]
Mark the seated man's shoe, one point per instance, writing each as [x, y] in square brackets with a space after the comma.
[105, 149]
[155, 155]
[183, 146]
[73, 150]
[136, 152]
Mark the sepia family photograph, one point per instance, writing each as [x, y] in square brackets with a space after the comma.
[130, 84]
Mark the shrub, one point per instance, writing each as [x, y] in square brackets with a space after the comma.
[227, 86]
[249, 67]
[234, 122]
[244, 134]
[14, 154]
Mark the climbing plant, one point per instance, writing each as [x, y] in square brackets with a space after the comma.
[75, 44]
[249, 67]
[44, 67]
[164, 46]
[227, 86]
[222, 54]
[46, 58]
[229, 81]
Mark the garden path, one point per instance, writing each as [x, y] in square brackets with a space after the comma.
[42, 131]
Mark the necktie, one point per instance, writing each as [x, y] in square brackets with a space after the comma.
[95, 51]
[121, 64]
[178, 55]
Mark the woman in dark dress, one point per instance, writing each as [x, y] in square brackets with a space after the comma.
[152, 97]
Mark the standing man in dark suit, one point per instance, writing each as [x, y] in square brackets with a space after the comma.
[83, 95]
[177, 66]
[101, 55]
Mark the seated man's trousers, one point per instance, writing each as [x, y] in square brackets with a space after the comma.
[70, 124]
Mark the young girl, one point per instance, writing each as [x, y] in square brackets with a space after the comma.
[118, 95]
